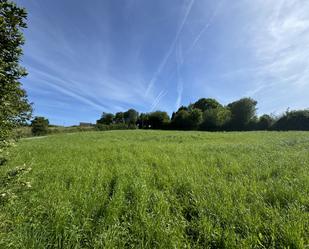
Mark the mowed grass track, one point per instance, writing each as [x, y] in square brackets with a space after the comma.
[157, 189]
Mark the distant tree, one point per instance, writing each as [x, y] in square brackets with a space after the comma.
[242, 112]
[195, 117]
[119, 118]
[130, 117]
[39, 126]
[158, 120]
[205, 104]
[173, 115]
[14, 106]
[293, 120]
[186, 120]
[106, 118]
[143, 121]
[265, 122]
[183, 108]
[181, 120]
[215, 119]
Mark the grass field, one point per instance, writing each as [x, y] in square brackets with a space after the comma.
[157, 189]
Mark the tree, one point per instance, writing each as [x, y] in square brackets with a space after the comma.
[158, 120]
[265, 122]
[293, 120]
[195, 118]
[181, 120]
[183, 108]
[143, 121]
[130, 117]
[106, 118]
[14, 106]
[206, 104]
[187, 120]
[39, 126]
[119, 118]
[242, 112]
[215, 119]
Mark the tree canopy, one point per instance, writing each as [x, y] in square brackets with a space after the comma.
[14, 106]
[206, 104]
[106, 118]
[242, 112]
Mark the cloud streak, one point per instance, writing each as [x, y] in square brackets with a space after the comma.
[157, 100]
[205, 27]
[179, 60]
[170, 50]
[282, 45]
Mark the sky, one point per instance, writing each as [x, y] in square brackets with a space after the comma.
[89, 57]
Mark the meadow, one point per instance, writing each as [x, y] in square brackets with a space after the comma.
[157, 189]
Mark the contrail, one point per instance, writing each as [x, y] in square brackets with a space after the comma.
[179, 61]
[158, 99]
[169, 52]
[179, 56]
[67, 91]
[76, 96]
[206, 26]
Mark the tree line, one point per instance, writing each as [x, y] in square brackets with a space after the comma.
[207, 114]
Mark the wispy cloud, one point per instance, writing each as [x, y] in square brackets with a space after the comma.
[157, 100]
[170, 50]
[205, 27]
[278, 38]
[179, 60]
[282, 43]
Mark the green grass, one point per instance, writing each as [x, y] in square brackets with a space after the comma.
[157, 189]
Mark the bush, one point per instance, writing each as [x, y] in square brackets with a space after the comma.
[39, 126]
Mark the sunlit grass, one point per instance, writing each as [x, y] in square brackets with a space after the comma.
[157, 189]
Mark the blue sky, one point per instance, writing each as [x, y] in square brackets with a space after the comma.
[86, 57]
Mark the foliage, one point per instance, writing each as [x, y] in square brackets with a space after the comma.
[195, 118]
[119, 118]
[143, 121]
[106, 118]
[186, 120]
[209, 115]
[293, 120]
[265, 122]
[215, 119]
[130, 117]
[158, 189]
[158, 120]
[242, 112]
[39, 126]
[14, 107]
[104, 127]
[206, 104]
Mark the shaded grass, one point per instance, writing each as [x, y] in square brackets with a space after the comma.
[158, 189]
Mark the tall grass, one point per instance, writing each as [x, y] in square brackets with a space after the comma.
[157, 189]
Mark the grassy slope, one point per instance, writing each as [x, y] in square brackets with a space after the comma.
[148, 189]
